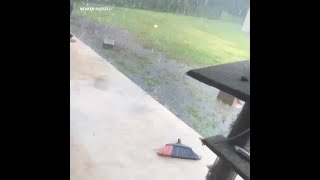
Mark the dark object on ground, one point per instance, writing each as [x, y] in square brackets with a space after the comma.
[244, 78]
[72, 40]
[108, 44]
[227, 78]
[229, 99]
[178, 150]
[227, 152]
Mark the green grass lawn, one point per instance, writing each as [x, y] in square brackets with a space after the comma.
[195, 41]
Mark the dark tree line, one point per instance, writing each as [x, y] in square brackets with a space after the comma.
[203, 8]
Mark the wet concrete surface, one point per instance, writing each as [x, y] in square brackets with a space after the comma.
[116, 127]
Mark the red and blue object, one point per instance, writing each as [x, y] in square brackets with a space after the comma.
[178, 150]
